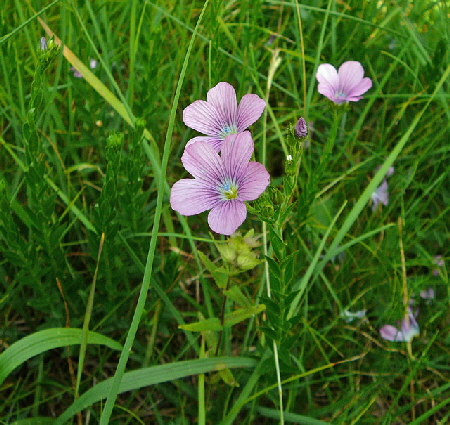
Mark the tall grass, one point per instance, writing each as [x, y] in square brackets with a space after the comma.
[104, 286]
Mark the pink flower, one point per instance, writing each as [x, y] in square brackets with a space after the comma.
[221, 182]
[428, 294]
[220, 115]
[346, 85]
[439, 262]
[409, 329]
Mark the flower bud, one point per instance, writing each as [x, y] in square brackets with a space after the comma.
[43, 44]
[301, 129]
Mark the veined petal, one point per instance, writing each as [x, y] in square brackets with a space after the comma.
[227, 216]
[223, 98]
[351, 81]
[203, 117]
[254, 182]
[328, 79]
[203, 162]
[237, 150]
[249, 110]
[190, 196]
[215, 142]
[356, 91]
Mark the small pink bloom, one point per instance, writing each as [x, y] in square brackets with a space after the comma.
[409, 329]
[221, 182]
[345, 85]
[439, 262]
[220, 115]
[427, 294]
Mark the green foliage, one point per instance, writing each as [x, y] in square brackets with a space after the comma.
[85, 173]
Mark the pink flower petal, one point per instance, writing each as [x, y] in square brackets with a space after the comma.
[256, 181]
[190, 196]
[350, 75]
[250, 109]
[390, 333]
[227, 216]
[203, 162]
[237, 150]
[223, 98]
[203, 117]
[356, 91]
[215, 142]
[327, 74]
[328, 79]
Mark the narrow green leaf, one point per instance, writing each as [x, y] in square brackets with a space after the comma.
[35, 421]
[151, 376]
[45, 340]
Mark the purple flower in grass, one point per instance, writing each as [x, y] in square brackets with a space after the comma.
[428, 294]
[381, 194]
[345, 85]
[439, 262]
[77, 74]
[221, 182]
[408, 330]
[220, 115]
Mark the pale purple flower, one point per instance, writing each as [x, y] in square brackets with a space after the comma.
[427, 294]
[390, 171]
[92, 64]
[221, 182]
[409, 329]
[220, 115]
[76, 73]
[439, 262]
[381, 194]
[345, 85]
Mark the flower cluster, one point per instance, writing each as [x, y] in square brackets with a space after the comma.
[222, 183]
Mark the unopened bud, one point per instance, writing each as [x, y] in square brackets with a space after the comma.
[301, 129]
[43, 44]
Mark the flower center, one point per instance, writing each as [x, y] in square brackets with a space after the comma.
[228, 129]
[229, 190]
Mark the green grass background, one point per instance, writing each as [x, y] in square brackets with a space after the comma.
[85, 177]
